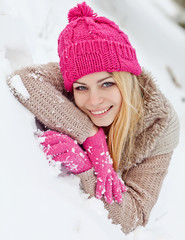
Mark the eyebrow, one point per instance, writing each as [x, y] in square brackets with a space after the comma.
[99, 81]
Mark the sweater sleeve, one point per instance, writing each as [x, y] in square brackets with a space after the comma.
[144, 183]
[40, 89]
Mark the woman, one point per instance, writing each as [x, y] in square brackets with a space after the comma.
[104, 101]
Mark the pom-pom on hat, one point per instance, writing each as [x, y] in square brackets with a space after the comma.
[91, 44]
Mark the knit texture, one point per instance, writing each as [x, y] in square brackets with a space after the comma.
[156, 139]
[144, 182]
[64, 149]
[108, 182]
[159, 133]
[48, 101]
[91, 44]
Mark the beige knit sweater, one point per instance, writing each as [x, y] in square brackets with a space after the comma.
[54, 107]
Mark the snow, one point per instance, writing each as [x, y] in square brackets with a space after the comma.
[36, 202]
[16, 82]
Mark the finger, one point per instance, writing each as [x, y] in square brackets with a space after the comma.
[64, 157]
[52, 140]
[108, 190]
[100, 187]
[116, 188]
[123, 187]
[117, 193]
[57, 149]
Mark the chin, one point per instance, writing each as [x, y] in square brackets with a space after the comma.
[102, 124]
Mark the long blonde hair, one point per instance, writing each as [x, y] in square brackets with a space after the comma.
[121, 134]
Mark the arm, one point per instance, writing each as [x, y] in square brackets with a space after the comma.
[144, 183]
[49, 102]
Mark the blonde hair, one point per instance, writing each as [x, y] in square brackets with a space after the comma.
[121, 134]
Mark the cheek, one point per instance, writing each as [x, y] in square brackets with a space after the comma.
[117, 98]
[79, 100]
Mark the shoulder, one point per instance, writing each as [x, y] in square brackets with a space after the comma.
[160, 116]
[169, 140]
[159, 131]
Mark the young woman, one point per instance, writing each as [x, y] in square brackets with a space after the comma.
[106, 116]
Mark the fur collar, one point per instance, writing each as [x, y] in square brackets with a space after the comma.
[156, 115]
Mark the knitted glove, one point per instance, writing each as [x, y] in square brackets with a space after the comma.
[64, 149]
[108, 182]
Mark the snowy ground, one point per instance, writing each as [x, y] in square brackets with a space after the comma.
[36, 203]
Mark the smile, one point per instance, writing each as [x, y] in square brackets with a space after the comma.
[100, 112]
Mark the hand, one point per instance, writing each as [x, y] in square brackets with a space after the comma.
[64, 149]
[108, 182]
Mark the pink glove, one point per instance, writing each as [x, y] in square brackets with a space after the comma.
[108, 182]
[64, 149]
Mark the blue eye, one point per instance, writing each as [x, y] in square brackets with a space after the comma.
[81, 88]
[108, 84]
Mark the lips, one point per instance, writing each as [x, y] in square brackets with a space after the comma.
[100, 112]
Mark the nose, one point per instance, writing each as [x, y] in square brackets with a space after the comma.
[95, 98]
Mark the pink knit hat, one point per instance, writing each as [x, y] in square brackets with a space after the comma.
[91, 44]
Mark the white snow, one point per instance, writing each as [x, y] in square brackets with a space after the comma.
[16, 82]
[41, 139]
[36, 202]
[36, 76]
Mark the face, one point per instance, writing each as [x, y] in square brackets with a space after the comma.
[98, 96]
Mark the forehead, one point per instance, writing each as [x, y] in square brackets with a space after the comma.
[93, 77]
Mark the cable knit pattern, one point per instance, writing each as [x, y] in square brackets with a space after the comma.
[91, 44]
[155, 142]
[48, 101]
